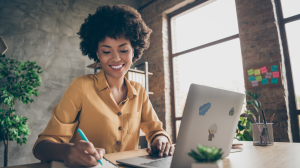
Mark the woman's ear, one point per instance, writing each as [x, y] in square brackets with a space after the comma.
[97, 55]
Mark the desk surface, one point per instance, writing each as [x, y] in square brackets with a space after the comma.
[279, 155]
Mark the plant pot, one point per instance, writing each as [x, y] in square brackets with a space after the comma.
[217, 164]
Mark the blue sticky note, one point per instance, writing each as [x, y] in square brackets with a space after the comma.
[251, 78]
[274, 80]
[264, 81]
[203, 109]
[274, 68]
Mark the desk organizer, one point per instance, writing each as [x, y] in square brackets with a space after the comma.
[262, 134]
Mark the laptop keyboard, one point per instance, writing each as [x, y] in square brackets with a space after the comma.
[159, 163]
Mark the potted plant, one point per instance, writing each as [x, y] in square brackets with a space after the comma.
[244, 128]
[208, 157]
[18, 81]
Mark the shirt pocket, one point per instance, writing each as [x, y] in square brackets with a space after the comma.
[133, 122]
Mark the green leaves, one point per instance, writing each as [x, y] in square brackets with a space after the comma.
[13, 126]
[241, 127]
[244, 128]
[257, 103]
[20, 81]
[206, 154]
[253, 101]
[248, 93]
[249, 114]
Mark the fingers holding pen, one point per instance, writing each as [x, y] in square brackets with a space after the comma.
[83, 153]
[101, 152]
[90, 149]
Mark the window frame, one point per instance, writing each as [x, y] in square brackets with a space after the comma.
[294, 113]
[172, 55]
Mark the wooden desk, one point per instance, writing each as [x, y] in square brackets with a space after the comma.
[280, 155]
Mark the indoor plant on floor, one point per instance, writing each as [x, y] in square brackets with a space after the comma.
[208, 157]
[18, 81]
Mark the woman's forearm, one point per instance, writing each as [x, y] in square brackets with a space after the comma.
[48, 150]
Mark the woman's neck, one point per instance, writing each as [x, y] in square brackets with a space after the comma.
[116, 84]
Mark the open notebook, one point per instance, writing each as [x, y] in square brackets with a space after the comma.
[106, 164]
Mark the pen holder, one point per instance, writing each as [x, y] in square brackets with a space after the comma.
[262, 134]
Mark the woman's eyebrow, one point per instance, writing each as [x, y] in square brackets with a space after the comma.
[123, 44]
[106, 46]
[110, 46]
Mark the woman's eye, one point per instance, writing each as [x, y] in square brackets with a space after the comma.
[124, 51]
[106, 52]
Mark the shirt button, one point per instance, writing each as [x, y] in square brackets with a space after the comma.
[119, 142]
[119, 113]
[123, 102]
[120, 128]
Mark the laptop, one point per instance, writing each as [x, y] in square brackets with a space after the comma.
[210, 118]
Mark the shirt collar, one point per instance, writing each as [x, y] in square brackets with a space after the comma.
[102, 84]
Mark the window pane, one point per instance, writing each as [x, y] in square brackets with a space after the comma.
[217, 66]
[290, 8]
[178, 122]
[204, 24]
[293, 38]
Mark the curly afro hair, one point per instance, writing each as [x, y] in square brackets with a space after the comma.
[114, 21]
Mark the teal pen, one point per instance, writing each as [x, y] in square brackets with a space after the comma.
[85, 138]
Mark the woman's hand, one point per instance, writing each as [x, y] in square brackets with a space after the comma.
[83, 153]
[161, 146]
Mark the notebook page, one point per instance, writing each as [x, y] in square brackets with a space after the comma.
[106, 164]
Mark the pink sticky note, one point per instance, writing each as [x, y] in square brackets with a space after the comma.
[276, 74]
[263, 69]
[268, 75]
[254, 83]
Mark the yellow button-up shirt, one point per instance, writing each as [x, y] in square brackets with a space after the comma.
[88, 104]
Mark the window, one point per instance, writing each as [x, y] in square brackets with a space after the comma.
[289, 22]
[205, 50]
[293, 40]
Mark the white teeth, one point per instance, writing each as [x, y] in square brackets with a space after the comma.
[116, 67]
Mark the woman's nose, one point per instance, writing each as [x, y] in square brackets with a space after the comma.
[116, 57]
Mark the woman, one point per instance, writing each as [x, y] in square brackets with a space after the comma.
[107, 107]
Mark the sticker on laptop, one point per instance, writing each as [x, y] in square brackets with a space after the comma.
[212, 130]
[203, 109]
[231, 112]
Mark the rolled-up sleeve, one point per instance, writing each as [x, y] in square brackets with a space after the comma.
[63, 123]
[150, 124]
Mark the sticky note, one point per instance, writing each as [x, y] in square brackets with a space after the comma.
[203, 109]
[250, 72]
[256, 72]
[274, 80]
[274, 68]
[251, 78]
[268, 75]
[276, 74]
[254, 83]
[263, 69]
[264, 81]
[258, 78]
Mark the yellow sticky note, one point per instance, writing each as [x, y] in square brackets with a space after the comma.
[258, 78]
[250, 72]
[256, 72]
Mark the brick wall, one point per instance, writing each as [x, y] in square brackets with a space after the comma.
[261, 44]
[158, 57]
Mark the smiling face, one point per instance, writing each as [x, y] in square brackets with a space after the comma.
[115, 56]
